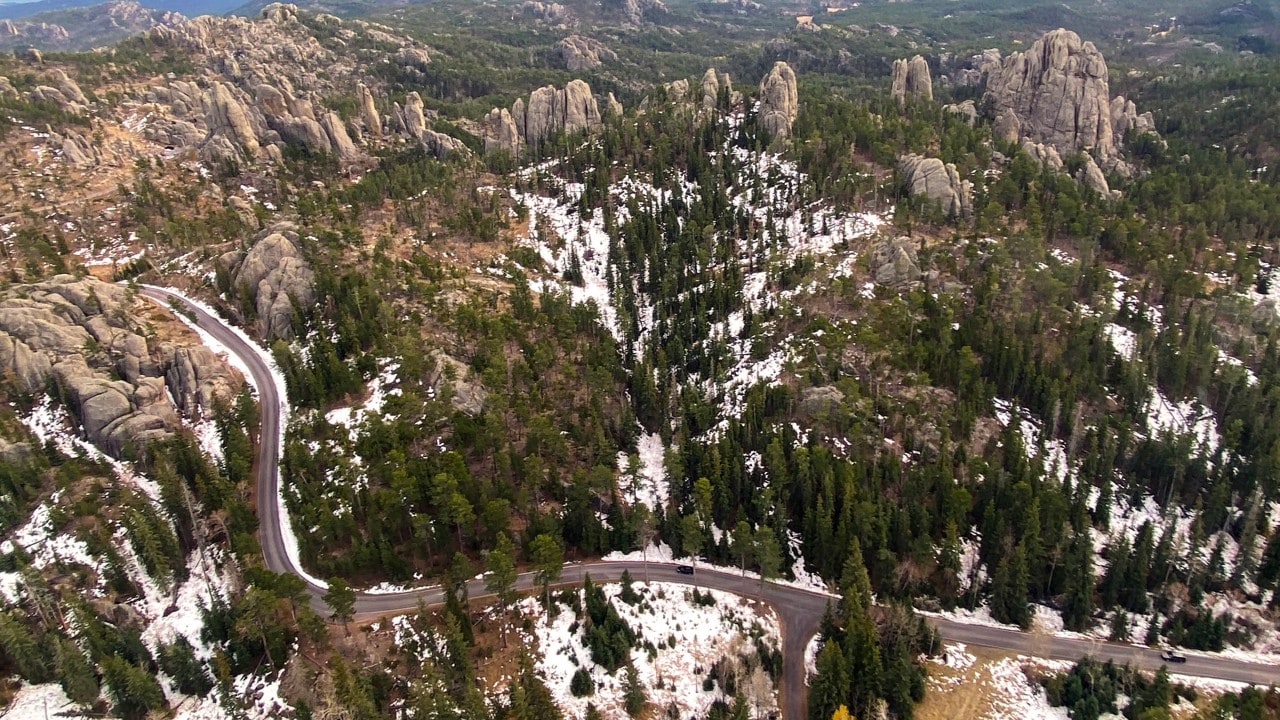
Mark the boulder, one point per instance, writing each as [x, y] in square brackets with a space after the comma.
[779, 101]
[911, 80]
[819, 401]
[277, 278]
[894, 262]
[931, 178]
[467, 394]
[336, 130]
[1057, 91]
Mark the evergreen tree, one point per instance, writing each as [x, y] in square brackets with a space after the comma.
[134, 691]
[22, 650]
[341, 600]
[75, 674]
[829, 690]
[633, 695]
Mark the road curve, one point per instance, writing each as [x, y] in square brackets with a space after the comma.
[800, 611]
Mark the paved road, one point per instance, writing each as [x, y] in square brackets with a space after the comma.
[800, 611]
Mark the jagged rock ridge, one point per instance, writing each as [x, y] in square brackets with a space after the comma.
[1055, 93]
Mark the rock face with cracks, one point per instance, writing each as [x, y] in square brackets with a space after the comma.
[1055, 93]
[548, 112]
[583, 53]
[276, 279]
[894, 262]
[123, 382]
[931, 178]
[779, 101]
[911, 80]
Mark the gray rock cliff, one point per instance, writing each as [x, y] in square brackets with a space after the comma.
[911, 80]
[779, 101]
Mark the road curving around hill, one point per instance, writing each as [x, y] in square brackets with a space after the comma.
[799, 610]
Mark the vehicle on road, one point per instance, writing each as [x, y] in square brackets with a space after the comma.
[684, 569]
[1173, 657]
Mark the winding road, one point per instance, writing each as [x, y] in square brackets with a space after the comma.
[799, 611]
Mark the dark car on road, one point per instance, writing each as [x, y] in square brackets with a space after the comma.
[1173, 657]
[684, 569]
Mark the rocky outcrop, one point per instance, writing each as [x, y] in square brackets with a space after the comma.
[227, 119]
[1125, 117]
[552, 110]
[124, 384]
[966, 110]
[68, 87]
[1092, 177]
[276, 278]
[894, 262]
[369, 111]
[583, 53]
[75, 148]
[549, 13]
[1043, 154]
[712, 84]
[82, 28]
[931, 178]
[911, 80]
[779, 101]
[413, 117]
[413, 120]
[1055, 93]
[637, 11]
[339, 140]
[500, 133]
[971, 72]
[456, 378]
[61, 91]
[413, 58]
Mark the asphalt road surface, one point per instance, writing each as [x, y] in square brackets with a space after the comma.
[800, 611]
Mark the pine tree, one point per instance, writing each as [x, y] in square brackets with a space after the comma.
[854, 580]
[75, 674]
[830, 687]
[341, 600]
[134, 691]
[862, 656]
[21, 649]
[633, 696]
[1078, 569]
